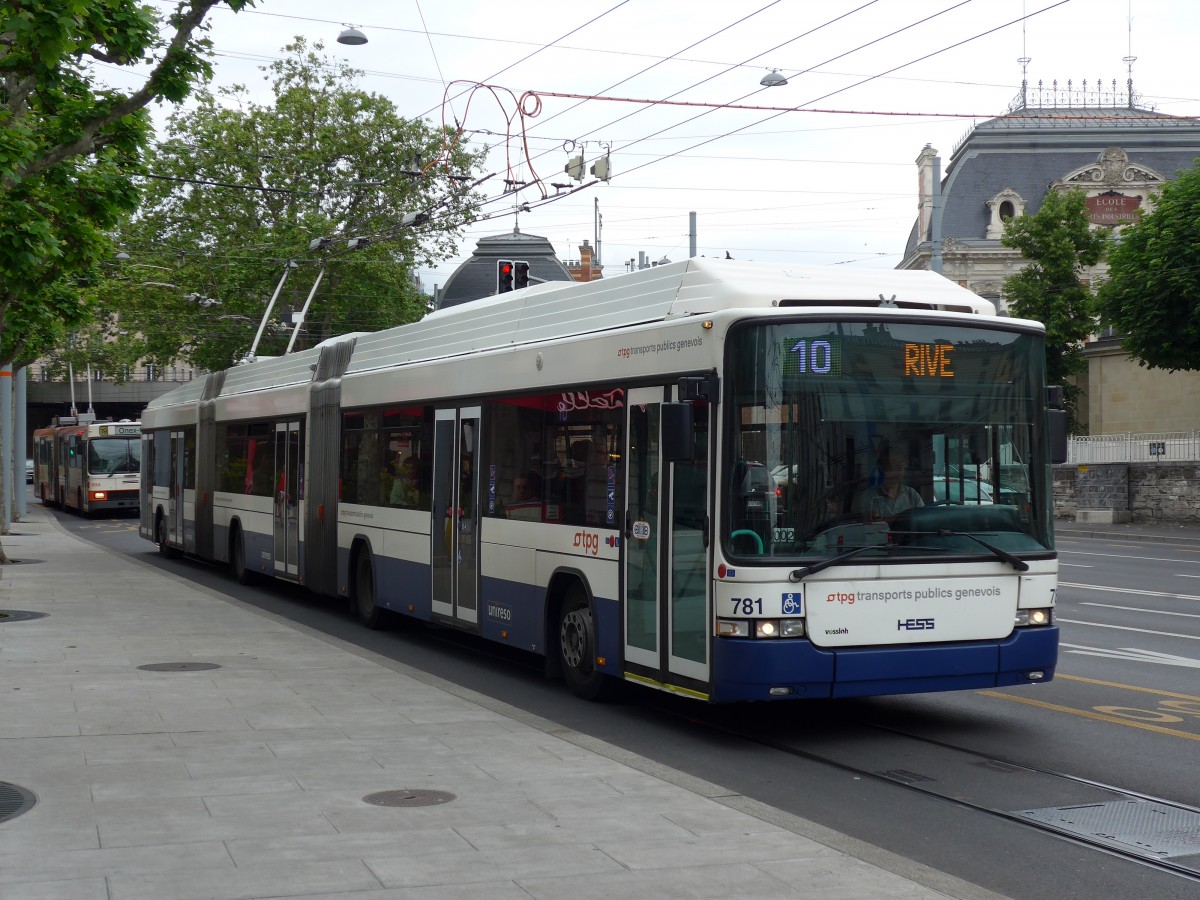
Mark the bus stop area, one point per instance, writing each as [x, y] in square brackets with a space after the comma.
[161, 740]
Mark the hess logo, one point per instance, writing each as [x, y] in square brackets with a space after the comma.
[914, 624]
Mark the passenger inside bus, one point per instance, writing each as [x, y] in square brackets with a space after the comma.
[406, 489]
[526, 501]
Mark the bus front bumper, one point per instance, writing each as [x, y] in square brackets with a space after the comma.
[750, 669]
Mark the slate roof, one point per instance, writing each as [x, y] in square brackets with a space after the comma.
[476, 278]
[1029, 149]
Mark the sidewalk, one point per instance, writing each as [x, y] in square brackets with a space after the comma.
[248, 778]
[1133, 531]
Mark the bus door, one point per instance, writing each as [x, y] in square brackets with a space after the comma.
[667, 597]
[456, 514]
[287, 498]
[175, 523]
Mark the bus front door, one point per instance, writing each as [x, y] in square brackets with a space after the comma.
[667, 598]
[287, 499]
[454, 537]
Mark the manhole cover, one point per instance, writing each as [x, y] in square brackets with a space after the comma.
[14, 800]
[1154, 829]
[20, 615]
[179, 667]
[408, 798]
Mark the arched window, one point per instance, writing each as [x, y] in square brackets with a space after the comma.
[1003, 207]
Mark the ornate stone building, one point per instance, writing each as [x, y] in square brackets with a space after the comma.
[1052, 139]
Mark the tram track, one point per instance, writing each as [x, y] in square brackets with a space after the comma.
[1140, 828]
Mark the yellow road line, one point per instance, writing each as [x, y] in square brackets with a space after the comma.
[1126, 687]
[1089, 714]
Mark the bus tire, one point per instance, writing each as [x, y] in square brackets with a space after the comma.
[577, 646]
[237, 558]
[165, 550]
[364, 591]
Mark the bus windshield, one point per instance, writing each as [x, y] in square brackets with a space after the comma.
[887, 437]
[114, 456]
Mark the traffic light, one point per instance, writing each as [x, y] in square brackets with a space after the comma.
[504, 276]
[520, 274]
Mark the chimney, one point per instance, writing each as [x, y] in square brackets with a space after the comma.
[925, 191]
[585, 261]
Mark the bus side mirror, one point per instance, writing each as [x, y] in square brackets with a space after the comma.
[677, 436]
[1056, 415]
[1058, 435]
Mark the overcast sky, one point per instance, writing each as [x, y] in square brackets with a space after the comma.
[825, 188]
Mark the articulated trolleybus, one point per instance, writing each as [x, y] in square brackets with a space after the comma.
[727, 480]
[87, 465]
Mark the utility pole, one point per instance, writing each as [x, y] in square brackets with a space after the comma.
[598, 228]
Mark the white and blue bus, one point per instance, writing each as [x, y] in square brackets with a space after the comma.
[730, 481]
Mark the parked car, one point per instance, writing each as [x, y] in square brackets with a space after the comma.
[28, 471]
[970, 490]
[758, 494]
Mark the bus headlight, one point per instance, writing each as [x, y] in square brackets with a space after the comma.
[764, 629]
[778, 628]
[1027, 617]
[791, 628]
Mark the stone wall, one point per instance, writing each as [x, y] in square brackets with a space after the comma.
[1128, 492]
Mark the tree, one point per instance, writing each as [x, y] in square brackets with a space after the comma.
[1058, 243]
[239, 187]
[1152, 294]
[68, 149]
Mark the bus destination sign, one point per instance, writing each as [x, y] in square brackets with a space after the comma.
[830, 358]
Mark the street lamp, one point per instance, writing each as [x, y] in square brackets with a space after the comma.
[352, 36]
[773, 79]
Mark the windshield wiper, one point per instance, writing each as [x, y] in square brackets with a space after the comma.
[805, 571]
[1016, 562]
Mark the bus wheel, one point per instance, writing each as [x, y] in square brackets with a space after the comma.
[237, 558]
[364, 591]
[160, 537]
[577, 647]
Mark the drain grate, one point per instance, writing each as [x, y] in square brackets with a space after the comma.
[1154, 829]
[904, 776]
[20, 615]
[408, 798]
[179, 667]
[14, 800]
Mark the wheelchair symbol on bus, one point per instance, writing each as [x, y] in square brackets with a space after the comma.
[793, 604]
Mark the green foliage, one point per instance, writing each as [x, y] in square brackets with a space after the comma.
[1152, 294]
[241, 187]
[68, 148]
[1058, 243]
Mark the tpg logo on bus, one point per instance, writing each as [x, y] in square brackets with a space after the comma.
[914, 624]
[588, 541]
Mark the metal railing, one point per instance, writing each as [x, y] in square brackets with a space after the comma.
[40, 373]
[1152, 446]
